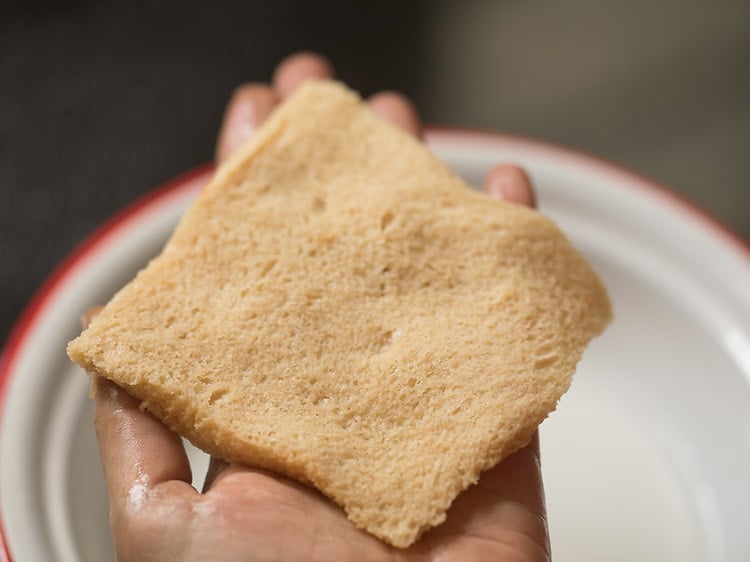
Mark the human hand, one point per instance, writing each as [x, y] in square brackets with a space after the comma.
[253, 515]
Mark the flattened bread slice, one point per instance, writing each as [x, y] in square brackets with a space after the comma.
[339, 307]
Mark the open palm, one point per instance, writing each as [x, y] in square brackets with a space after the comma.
[246, 514]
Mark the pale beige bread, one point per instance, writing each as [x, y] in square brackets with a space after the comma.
[339, 307]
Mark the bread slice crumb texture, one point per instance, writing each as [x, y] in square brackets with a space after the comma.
[339, 307]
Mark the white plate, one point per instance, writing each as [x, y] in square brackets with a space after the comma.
[647, 457]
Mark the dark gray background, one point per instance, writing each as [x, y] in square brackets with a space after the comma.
[102, 101]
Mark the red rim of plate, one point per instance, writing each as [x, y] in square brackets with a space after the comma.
[26, 322]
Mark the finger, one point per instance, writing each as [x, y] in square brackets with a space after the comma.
[138, 452]
[506, 507]
[296, 69]
[517, 484]
[510, 183]
[221, 474]
[215, 467]
[518, 478]
[89, 315]
[247, 109]
[398, 110]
